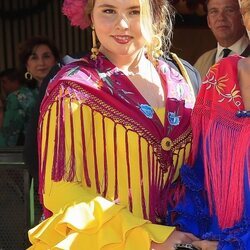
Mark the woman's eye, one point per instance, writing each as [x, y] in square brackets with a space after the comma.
[47, 55]
[109, 11]
[135, 12]
[33, 57]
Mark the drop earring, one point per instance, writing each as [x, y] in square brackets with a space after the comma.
[28, 76]
[157, 44]
[94, 50]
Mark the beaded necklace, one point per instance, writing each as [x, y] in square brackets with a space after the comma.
[243, 113]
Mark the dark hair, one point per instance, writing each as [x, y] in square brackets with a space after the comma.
[25, 51]
[11, 73]
[205, 6]
[26, 48]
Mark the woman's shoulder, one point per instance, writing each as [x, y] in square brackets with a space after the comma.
[72, 80]
[179, 87]
[79, 66]
[244, 64]
[79, 71]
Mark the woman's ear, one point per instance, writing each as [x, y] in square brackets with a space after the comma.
[91, 18]
[27, 67]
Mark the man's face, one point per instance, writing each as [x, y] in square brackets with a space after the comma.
[225, 21]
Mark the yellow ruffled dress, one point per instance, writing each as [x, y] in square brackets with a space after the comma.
[106, 206]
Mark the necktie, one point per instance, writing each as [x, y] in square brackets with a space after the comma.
[226, 52]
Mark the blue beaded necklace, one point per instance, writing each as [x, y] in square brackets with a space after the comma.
[243, 113]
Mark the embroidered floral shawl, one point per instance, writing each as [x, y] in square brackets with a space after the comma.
[224, 139]
[101, 86]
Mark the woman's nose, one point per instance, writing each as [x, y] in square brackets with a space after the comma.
[123, 22]
[41, 61]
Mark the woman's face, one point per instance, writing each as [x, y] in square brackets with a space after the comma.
[117, 25]
[40, 62]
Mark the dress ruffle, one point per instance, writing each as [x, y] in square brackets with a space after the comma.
[192, 215]
[99, 224]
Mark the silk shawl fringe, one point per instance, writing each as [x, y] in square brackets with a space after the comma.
[225, 148]
[64, 169]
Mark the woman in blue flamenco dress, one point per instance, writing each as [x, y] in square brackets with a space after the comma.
[213, 200]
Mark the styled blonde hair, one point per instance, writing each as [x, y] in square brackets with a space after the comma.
[244, 6]
[157, 22]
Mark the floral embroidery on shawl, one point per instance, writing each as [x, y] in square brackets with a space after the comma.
[227, 93]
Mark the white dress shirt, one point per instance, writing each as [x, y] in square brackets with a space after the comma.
[237, 48]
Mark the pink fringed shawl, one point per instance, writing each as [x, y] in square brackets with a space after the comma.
[102, 87]
[225, 140]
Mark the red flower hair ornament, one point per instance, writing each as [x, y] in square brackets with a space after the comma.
[75, 12]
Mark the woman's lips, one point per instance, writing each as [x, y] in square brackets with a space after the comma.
[122, 39]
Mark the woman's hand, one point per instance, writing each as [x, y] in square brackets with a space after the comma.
[205, 244]
[174, 238]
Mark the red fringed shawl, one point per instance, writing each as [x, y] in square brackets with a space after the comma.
[103, 88]
[225, 140]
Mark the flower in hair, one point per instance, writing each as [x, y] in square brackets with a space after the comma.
[75, 12]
